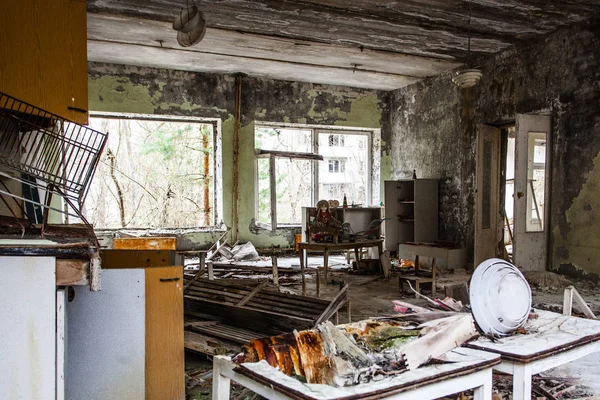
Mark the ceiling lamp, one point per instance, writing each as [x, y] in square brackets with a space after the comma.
[468, 77]
[190, 25]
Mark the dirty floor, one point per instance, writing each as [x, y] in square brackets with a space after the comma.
[371, 296]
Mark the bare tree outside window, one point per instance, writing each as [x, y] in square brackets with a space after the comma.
[153, 174]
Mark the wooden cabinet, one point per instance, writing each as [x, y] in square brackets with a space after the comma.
[164, 334]
[43, 55]
[126, 341]
[412, 209]
[136, 324]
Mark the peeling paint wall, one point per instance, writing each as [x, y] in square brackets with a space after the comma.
[119, 88]
[433, 130]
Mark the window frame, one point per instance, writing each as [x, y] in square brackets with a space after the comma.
[373, 146]
[217, 195]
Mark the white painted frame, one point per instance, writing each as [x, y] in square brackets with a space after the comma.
[374, 164]
[531, 249]
[217, 194]
[480, 381]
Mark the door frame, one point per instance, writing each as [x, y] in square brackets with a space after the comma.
[488, 230]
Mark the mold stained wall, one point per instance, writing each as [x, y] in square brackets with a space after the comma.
[434, 131]
[129, 89]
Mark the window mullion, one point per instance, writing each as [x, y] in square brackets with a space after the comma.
[315, 168]
[272, 183]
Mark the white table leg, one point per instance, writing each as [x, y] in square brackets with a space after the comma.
[484, 392]
[221, 383]
[522, 382]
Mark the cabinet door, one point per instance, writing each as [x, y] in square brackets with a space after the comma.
[164, 334]
[77, 100]
[43, 55]
[28, 327]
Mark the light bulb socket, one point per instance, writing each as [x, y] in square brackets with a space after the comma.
[467, 78]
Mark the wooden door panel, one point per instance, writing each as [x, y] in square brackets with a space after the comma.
[164, 334]
[488, 221]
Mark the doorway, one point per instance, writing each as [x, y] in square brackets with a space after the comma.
[513, 192]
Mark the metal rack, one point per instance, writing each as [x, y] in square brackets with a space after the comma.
[45, 152]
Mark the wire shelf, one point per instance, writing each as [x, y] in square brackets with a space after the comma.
[45, 151]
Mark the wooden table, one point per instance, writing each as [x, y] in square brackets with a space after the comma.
[554, 340]
[468, 369]
[326, 248]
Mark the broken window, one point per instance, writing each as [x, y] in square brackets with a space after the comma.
[154, 173]
[308, 164]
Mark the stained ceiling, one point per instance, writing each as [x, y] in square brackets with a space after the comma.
[378, 44]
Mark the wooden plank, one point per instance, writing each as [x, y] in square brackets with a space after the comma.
[287, 154]
[583, 305]
[230, 333]
[252, 293]
[164, 334]
[334, 306]
[205, 344]
[145, 243]
[260, 320]
[271, 307]
[72, 272]
[301, 301]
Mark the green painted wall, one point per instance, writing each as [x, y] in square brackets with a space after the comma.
[128, 89]
[580, 245]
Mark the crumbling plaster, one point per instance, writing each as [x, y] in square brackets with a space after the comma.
[434, 131]
[120, 88]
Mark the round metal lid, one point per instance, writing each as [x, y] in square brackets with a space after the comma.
[500, 297]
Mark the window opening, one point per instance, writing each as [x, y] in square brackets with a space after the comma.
[300, 179]
[536, 181]
[154, 173]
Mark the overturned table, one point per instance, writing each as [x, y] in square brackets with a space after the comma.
[552, 340]
[326, 248]
[467, 369]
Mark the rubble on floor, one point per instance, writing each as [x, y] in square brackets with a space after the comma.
[223, 314]
[360, 352]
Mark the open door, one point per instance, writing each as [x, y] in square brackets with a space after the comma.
[489, 222]
[532, 192]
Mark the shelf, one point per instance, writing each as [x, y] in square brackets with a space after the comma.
[406, 220]
[406, 202]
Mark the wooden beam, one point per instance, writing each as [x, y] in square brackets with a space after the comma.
[252, 293]
[260, 153]
[72, 272]
[145, 243]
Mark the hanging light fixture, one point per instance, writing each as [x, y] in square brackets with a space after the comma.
[190, 25]
[468, 77]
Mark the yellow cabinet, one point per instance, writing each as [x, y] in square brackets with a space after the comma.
[43, 55]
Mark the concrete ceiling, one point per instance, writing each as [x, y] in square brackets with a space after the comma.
[378, 44]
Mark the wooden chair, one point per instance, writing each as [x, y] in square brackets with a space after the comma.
[418, 279]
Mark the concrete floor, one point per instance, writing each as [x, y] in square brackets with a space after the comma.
[372, 298]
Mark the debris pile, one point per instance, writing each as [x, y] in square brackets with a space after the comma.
[223, 314]
[361, 352]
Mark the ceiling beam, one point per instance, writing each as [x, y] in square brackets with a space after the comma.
[134, 41]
